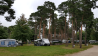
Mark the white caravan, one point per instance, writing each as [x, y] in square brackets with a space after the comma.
[8, 43]
[42, 42]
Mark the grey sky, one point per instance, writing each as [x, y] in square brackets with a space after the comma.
[29, 6]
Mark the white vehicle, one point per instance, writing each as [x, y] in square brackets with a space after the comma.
[64, 41]
[41, 42]
[92, 41]
[8, 43]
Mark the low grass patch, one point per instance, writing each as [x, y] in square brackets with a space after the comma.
[95, 44]
[31, 50]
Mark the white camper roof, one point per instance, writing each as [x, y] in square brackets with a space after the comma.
[7, 39]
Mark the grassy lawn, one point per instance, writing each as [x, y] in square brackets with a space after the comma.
[95, 44]
[31, 50]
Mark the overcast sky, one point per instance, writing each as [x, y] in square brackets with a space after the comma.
[29, 6]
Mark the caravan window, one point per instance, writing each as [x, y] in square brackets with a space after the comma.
[13, 42]
[2, 42]
[9, 43]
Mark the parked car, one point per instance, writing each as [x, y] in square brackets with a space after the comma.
[92, 41]
[20, 43]
[41, 42]
[64, 41]
[54, 41]
[8, 43]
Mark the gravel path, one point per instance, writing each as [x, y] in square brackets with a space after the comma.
[89, 52]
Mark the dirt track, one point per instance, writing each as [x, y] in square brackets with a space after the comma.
[89, 52]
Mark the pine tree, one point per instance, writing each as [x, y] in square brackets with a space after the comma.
[5, 6]
[21, 31]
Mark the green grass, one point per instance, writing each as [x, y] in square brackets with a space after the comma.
[30, 50]
[95, 44]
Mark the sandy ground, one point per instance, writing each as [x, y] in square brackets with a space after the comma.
[89, 52]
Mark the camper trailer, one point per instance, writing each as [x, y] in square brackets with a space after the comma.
[8, 43]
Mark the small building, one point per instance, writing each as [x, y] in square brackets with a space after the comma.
[8, 43]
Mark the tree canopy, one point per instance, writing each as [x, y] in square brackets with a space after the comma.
[21, 31]
[5, 6]
[3, 33]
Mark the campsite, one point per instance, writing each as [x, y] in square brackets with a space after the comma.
[31, 50]
[48, 27]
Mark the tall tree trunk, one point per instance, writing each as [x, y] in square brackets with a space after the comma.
[67, 34]
[62, 35]
[43, 30]
[66, 38]
[81, 35]
[49, 24]
[49, 35]
[65, 31]
[72, 36]
[40, 28]
[67, 41]
[76, 37]
[35, 32]
[59, 35]
[76, 32]
[55, 33]
[85, 37]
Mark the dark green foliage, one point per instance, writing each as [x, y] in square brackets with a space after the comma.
[80, 13]
[69, 32]
[5, 6]
[83, 35]
[51, 6]
[94, 30]
[10, 28]
[3, 33]
[21, 31]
